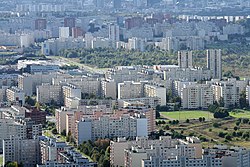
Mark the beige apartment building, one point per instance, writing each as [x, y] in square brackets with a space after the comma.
[47, 93]
[15, 95]
[196, 96]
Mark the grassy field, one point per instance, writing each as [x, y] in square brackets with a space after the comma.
[183, 115]
[1, 160]
[240, 114]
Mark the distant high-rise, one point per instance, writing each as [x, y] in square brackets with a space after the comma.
[117, 4]
[40, 24]
[114, 33]
[70, 22]
[214, 62]
[185, 59]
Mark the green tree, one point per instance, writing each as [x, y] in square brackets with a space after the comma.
[11, 164]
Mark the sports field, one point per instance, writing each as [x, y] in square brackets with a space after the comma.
[183, 115]
[240, 113]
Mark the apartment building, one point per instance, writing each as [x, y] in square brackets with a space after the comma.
[156, 91]
[109, 89]
[214, 63]
[183, 161]
[60, 115]
[110, 126]
[197, 96]
[8, 80]
[130, 89]
[248, 94]
[10, 127]
[15, 95]
[28, 82]
[71, 90]
[47, 94]
[226, 91]
[36, 115]
[187, 74]
[132, 153]
[145, 101]
[185, 59]
[50, 149]
[22, 151]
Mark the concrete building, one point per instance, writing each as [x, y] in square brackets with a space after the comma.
[47, 94]
[10, 127]
[133, 153]
[29, 82]
[50, 149]
[227, 92]
[187, 74]
[248, 94]
[185, 59]
[110, 126]
[197, 96]
[71, 90]
[144, 101]
[214, 63]
[156, 91]
[64, 32]
[109, 89]
[61, 119]
[40, 24]
[15, 95]
[25, 151]
[128, 89]
[114, 34]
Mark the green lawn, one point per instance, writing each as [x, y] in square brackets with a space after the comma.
[240, 114]
[183, 115]
[1, 160]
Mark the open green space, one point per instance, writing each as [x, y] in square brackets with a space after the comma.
[183, 115]
[237, 113]
[1, 160]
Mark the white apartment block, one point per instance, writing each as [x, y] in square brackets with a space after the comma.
[185, 59]
[71, 90]
[248, 94]
[15, 95]
[110, 126]
[136, 44]
[132, 153]
[8, 128]
[214, 63]
[196, 96]
[128, 89]
[53, 46]
[227, 91]
[145, 101]
[25, 151]
[156, 91]
[47, 93]
[29, 82]
[188, 74]
[211, 161]
[60, 115]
